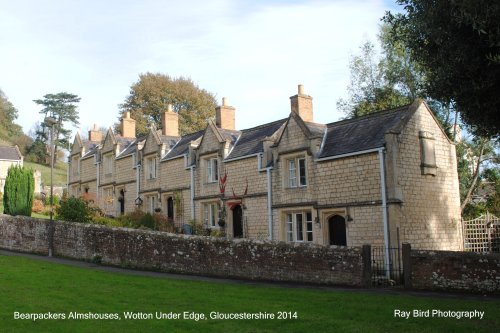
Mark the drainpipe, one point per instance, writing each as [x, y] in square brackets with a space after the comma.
[384, 211]
[269, 202]
[138, 179]
[192, 193]
[98, 164]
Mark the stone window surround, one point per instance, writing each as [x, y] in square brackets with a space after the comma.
[298, 176]
[325, 216]
[150, 202]
[285, 223]
[75, 165]
[107, 163]
[151, 170]
[212, 174]
[164, 204]
[210, 216]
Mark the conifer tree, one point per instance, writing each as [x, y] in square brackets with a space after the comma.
[19, 189]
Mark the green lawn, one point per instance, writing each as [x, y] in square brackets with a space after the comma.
[30, 286]
[60, 172]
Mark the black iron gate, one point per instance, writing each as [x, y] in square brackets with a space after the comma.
[387, 266]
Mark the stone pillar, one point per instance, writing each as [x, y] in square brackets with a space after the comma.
[301, 104]
[407, 264]
[367, 265]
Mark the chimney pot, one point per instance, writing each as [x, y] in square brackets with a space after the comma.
[301, 89]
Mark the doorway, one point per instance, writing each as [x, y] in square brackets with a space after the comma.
[337, 230]
[237, 222]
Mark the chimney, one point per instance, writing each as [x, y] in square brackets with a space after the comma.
[302, 105]
[224, 116]
[170, 122]
[128, 126]
[95, 135]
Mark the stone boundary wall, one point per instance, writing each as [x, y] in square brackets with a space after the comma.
[454, 271]
[151, 250]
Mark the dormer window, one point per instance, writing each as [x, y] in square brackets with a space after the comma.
[297, 176]
[212, 170]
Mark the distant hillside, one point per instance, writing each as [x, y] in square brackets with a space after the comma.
[60, 172]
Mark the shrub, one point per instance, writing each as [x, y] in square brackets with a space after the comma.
[197, 227]
[55, 201]
[74, 209]
[135, 218]
[38, 206]
[147, 221]
[163, 223]
[107, 221]
[19, 188]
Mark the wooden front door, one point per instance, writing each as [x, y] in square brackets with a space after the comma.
[337, 231]
[237, 222]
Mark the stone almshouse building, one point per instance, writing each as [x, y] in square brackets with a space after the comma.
[384, 178]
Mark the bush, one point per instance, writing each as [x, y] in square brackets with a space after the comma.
[55, 201]
[74, 209]
[107, 221]
[19, 188]
[147, 221]
[163, 223]
[38, 206]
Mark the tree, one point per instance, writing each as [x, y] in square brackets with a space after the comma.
[19, 189]
[477, 162]
[8, 115]
[457, 43]
[379, 82]
[62, 107]
[150, 96]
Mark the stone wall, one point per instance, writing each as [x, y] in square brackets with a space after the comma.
[455, 271]
[150, 250]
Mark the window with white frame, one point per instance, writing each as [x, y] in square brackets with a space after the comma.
[299, 227]
[151, 167]
[108, 164]
[297, 175]
[151, 203]
[211, 214]
[212, 170]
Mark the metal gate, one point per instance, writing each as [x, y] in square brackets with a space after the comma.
[482, 234]
[387, 266]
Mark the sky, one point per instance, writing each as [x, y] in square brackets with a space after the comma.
[255, 53]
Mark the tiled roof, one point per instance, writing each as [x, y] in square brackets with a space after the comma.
[250, 141]
[363, 133]
[182, 146]
[230, 135]
[10, 153]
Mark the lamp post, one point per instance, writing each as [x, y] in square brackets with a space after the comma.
[51, 122]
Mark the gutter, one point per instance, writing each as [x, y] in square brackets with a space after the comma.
[381, 152]
[374, 150]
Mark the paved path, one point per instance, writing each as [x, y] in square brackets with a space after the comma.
[385, 291]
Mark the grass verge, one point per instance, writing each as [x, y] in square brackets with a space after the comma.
[31, 286]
